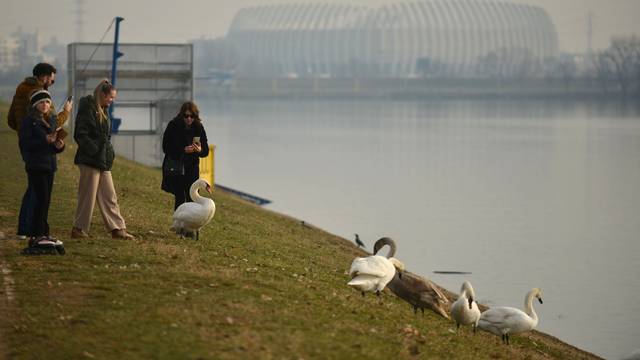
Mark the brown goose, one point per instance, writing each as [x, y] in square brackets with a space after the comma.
[419, 292]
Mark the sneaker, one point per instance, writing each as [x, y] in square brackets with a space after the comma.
[78, 233]
[41, 241]
[54, 240]
[121, 234]
[43, 245]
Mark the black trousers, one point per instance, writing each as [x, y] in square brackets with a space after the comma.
[41, 184]
[181, 188]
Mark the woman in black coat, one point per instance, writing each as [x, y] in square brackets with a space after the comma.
[39, 145]
[184, 141]
[94, 158]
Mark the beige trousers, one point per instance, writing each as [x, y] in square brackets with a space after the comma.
[97, 185]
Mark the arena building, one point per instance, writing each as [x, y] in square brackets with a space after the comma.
[412, 38]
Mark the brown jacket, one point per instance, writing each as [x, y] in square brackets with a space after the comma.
[20, 104]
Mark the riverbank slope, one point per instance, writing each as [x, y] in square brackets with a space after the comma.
[257, 285]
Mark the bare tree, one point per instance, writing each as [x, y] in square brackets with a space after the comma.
[567, 69]
[624, 54]
[562, 67]
[604, 69]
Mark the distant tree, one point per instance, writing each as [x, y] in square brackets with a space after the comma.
[512, 62]
[489, 65]
[567, 69]
[522, 63]
[604, 69]
[624, 54]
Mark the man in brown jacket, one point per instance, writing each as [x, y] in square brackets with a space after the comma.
[44, 75]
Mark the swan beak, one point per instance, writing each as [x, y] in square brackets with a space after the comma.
[208, 188]
[540, 299]
[470, 302]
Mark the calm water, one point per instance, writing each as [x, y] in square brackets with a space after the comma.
[521, 194]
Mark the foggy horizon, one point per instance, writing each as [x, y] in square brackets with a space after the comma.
[211, 19]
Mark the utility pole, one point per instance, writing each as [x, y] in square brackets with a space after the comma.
[590, 39]
[115, 122]
[80, 15]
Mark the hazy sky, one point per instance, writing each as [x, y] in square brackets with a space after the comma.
[178, 21]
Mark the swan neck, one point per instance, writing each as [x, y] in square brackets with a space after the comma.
[528, 305]
[467, 291]
[385, 241]
[392, 249]
[195, 196]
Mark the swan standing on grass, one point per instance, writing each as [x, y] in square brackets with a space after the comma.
[190, 217]
[464, 311]
[419, 292]
[373, 273]
[504, 321]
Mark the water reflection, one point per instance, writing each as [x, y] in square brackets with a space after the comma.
[521, 194]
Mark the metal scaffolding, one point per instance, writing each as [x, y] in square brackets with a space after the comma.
[153, 81]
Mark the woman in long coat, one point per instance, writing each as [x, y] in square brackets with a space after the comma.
[184, 142]
[94, 158]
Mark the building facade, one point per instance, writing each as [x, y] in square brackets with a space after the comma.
[404, 38]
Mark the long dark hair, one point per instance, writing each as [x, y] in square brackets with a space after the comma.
[191, 107]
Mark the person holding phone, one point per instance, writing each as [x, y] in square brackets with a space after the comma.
[184, 142]
[44, 76]
[38, 146]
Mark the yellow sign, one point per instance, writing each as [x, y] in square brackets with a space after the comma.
[207, 168]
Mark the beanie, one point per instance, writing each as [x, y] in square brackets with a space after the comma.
[39, 96]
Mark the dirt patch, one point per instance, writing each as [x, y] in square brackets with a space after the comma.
[7, 297]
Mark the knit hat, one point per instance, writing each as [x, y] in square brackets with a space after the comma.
[39, 96]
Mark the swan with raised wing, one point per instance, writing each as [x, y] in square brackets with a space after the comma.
[190, 217]
[504, 321]
[419, 292]
[465, 311]
[373, 273]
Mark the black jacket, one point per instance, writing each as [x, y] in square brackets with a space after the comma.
[36, 153]
[176, 137]
[93, 136]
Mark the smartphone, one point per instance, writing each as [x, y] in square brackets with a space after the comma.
[196, 140]
[61, 133]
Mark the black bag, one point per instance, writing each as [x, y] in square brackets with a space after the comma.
[172, 167]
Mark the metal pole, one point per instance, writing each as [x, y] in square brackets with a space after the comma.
[115, 123]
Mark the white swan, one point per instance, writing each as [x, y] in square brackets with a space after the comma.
[503, 321]
[465, 311]
[373, 273]
[192, 216]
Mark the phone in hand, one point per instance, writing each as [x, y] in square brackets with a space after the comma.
[196, 140]
[61, 133]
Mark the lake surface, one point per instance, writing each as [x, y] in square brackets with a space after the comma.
[520, 194]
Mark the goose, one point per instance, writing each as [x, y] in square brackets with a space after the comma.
[419, 292]
[192, 216]
[504, 321]
[373, 273]
[465, 311]
[359, 242]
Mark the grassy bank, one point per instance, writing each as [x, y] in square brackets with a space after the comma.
[256, 285]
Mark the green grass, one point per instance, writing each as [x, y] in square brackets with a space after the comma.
[256, 285]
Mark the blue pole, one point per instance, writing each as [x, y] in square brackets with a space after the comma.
[115, 123]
